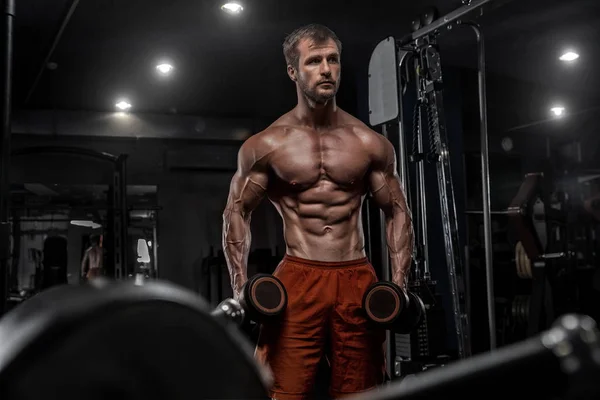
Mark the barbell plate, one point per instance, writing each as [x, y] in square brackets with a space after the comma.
[528, 271]
[124, 341]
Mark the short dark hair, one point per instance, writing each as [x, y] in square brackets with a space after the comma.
[316, 32]
[95, 239]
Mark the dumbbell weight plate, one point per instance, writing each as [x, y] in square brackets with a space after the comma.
[384, 302]
[263, 296]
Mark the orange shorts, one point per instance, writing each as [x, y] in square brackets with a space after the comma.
[324, 311]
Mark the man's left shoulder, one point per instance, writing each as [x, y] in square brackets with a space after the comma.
[375, 143]
[363, 131]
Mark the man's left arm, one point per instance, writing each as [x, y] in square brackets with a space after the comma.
[387, 193]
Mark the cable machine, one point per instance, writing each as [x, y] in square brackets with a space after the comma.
[409, 65]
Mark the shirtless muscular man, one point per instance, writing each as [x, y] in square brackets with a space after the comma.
[316, 164]
[92, 264]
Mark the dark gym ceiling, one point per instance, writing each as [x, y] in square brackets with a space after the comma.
[232, 65]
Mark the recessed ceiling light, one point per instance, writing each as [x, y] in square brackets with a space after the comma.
[232, 8]
[569, 56]
[164, 68]
[557, 111]
[123, 105]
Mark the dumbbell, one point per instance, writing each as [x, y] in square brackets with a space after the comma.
[390, 307]
[262, 299]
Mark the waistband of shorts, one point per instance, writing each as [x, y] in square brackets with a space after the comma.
[325, 264]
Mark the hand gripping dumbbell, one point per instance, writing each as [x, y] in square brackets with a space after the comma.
[262, 298]
[390, 307]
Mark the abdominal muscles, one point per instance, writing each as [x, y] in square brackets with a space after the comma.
[323, 222]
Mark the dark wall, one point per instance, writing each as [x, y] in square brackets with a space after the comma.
[191, 196]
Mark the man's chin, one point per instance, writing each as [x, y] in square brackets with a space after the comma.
[323, 98]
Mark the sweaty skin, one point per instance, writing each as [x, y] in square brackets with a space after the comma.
[316, 164]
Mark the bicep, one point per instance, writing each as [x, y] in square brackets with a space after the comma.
[249, 184]
[247, 190]
[384, 182]
[386, 189]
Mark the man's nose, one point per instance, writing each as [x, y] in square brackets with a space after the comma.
[325, 68]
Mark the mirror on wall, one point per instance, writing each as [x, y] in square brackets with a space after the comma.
[54, 226]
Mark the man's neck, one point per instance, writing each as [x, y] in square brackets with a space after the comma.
[316, 115]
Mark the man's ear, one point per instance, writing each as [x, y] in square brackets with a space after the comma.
[292, 73]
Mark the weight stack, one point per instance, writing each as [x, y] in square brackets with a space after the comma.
[427, 344]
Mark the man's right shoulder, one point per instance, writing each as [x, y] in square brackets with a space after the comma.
[272, 137]
[260, 145]
[257, 148]
[266, 140]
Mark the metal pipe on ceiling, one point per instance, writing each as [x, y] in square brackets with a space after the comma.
[57, 37]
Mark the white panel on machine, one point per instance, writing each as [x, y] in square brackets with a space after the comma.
[383, 83]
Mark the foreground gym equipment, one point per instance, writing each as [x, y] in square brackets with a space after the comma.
[155, 341]
[561, 363]
[159, 341]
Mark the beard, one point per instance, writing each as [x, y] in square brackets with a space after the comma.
[316, 96]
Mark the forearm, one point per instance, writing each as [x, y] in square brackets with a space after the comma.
[236, 247]
[399, 234]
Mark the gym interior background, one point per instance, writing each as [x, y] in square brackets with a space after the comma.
[127, 117]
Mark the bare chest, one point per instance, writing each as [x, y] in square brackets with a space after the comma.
[306, 159]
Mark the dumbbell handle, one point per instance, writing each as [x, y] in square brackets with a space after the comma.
[229, 310]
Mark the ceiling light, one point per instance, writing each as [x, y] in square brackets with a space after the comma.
[232, 8]
[557, 111]
[569, 56]
[86, 224]
[123, 105]
[164, 69]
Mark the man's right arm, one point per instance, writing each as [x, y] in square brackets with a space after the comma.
[247, 189]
